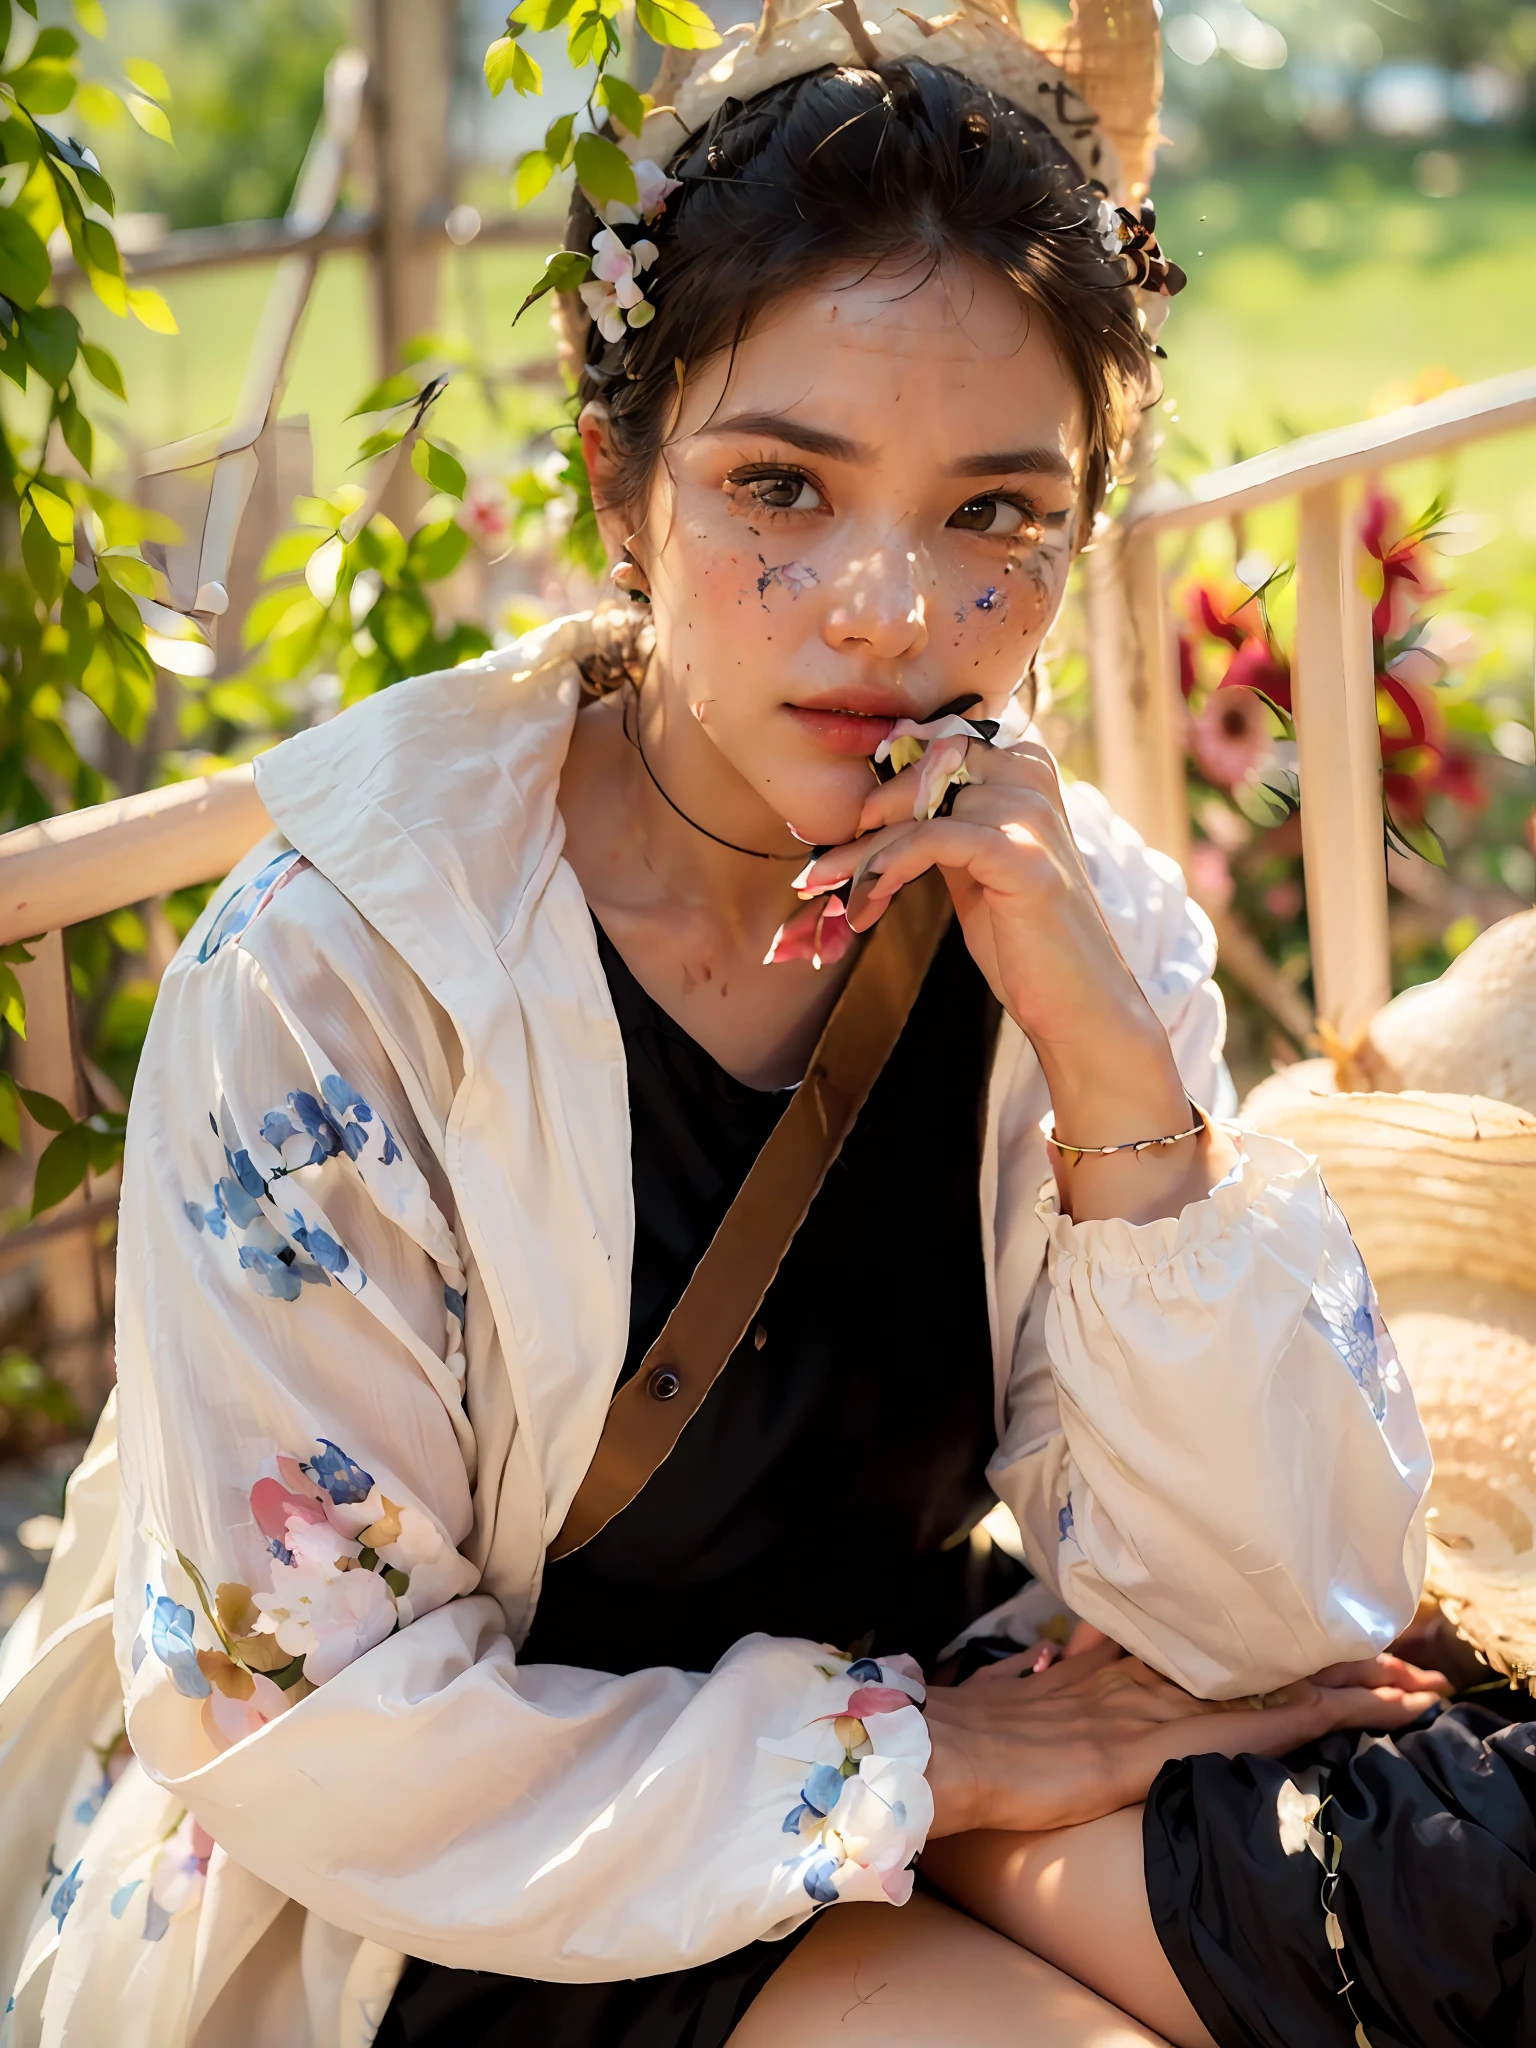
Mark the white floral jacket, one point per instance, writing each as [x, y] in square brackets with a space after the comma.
[373, 1297]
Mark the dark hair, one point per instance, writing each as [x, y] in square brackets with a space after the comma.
[860, 166]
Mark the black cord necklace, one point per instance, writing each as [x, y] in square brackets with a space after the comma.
[752, 852]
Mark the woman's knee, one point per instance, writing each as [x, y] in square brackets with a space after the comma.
[926, 1977]
[1078, 1898]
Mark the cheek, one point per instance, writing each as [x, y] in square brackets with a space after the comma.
[996, 607]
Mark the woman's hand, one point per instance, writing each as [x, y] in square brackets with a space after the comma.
[1034, 928]
[1089, 1735]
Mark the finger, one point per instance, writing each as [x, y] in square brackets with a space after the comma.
[840, 864]
[1086, 1637]
[1384, 1670]
[1027, 1664]
[1027, 766]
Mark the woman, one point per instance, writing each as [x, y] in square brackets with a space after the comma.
[444, 1101]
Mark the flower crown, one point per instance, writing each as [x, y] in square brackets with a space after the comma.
[1098, 93]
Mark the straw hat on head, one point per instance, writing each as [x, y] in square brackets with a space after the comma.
[1440, 1193]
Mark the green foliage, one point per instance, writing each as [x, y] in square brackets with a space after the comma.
[351, 599]
[69, 573]
[602, 169]
[245, 86]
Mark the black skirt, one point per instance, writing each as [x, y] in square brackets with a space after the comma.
[1419, 1863]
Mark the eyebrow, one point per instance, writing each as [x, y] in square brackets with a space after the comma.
[779, 426]
[1017, 461]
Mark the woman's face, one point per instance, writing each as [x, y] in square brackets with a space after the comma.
[868, 513]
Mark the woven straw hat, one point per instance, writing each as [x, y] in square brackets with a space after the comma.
[1475, 1028]
[1098, 87]
[1440, 1193]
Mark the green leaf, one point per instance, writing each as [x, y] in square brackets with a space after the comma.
[51, 336]
[102, 365]
[57, 45]
[57, 514]
[97, 248]
[564, 271]
[604, 172]
[13, 1004]
[627, 107]
[151, 118]
[379, 443]
[150, 79]
[43, 87]
[62, 1168]
[436, 551]
[44, 1110]
[92, 17]
[500, 63]
[10, 1114]
[151, 311]
[590, 33]
[24, 266]
[290, 552]
[677, 22]
[119, 607]
[384, 397]
[527, 78]
[76, 429]
[557, 139]
[540, 14]
[444, 472]
[43, 559]
[534, 171]
[128, 572]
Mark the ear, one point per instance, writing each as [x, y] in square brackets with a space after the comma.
[613, 521]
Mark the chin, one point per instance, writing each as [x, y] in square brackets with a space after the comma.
[823, 808]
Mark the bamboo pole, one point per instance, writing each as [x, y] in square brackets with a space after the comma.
[86, 863]
[1135, 709]
[1339, 764]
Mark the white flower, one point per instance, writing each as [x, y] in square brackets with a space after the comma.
[326, 1607]
[603, 309]
[642, 255]
[654, 187]
[1107, 227]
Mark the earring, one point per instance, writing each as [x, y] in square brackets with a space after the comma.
[628, 576]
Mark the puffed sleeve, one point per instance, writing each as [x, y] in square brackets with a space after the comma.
[312, 1668]
[1207, 1442]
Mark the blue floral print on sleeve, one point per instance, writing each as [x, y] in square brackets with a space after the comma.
[1344, 1300]
[237, 911]
[306, 1131]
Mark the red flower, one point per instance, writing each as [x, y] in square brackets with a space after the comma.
[1209, 614]
[1456, 776]
[1256, 666]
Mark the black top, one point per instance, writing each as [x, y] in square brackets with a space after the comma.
[827, 1484]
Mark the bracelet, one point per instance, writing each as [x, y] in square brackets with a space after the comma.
[1072, 1153]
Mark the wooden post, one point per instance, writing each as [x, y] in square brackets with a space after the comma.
[410, 49]
[1136, 713]
[1339, 764]
[48, 1059]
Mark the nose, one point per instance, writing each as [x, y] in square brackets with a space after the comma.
[880, 602]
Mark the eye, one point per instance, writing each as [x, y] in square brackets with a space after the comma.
[999, 517]
[778, 490]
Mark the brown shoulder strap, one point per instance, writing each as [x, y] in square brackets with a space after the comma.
[648, 1414]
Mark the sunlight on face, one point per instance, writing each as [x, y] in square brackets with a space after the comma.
[868, 514]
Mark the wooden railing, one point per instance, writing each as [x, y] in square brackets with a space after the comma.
[1135, 695]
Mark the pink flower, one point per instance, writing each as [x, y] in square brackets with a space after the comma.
[1283, 900]
[1230, 739]
[1210, 878]
[326, 1607]
[177, 1875]
[241, 1702]
[819, 932]
[485, 514]
[655, 188]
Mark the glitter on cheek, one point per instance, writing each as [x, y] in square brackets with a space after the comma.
[991, 600]
[794, 577]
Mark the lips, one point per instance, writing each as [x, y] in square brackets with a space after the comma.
[842, 731]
